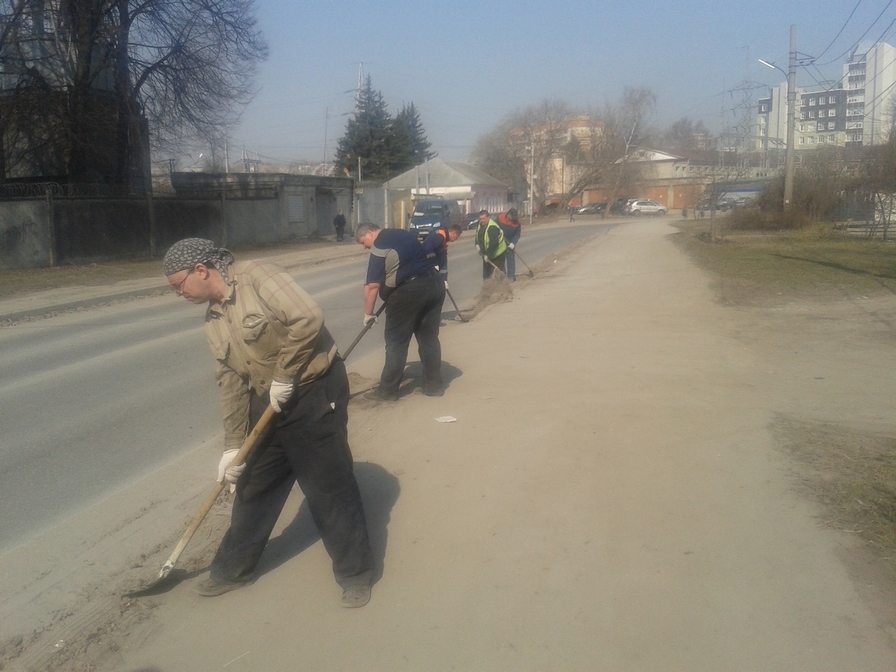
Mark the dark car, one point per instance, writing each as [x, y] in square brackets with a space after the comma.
[618, 207]
[592, 209]
[472, 220]
[434, 214]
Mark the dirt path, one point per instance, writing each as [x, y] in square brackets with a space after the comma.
[611, 496]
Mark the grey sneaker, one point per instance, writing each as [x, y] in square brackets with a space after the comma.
[214, 587]
[379, 394]
[355, 596]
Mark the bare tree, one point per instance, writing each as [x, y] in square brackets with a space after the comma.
[523, 149]
[128, 68]
[626, 124]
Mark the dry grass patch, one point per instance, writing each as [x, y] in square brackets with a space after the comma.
[762, 268]
[853, 477]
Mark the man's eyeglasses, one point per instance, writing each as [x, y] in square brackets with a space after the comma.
[179, 287]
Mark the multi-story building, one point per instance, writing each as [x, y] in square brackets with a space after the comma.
[553, 148]
[853, 112]
[821, 118]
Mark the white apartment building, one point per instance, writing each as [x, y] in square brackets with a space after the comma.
[870, 81]
[853, 112]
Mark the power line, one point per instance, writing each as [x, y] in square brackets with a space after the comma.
[862, 37]
[840, 32]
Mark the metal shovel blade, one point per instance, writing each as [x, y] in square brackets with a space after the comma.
[164, 581]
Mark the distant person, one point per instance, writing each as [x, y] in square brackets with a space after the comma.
[490, 244]
[435, 245]
[339, 225]
[401, 275]
[572, 213]
[510, 226]
[271, 348]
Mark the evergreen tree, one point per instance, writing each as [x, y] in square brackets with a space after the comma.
[386, 146]
[368, 137]
[408, 124]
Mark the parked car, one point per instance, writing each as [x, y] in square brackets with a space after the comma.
[472, 219]
[645, 206]
[434, 214]
[619, 205]
[592, 209]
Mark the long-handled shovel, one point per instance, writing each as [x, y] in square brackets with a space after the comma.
[246, 449]
[492, 264]
[363, 331]
[456, 309]
[531, 272]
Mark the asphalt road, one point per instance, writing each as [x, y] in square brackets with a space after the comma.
[90, 401]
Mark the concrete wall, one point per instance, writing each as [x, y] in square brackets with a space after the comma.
[98, 229]
[26, 237]
[231, 209]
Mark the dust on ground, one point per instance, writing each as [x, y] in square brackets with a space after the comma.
[94, 622]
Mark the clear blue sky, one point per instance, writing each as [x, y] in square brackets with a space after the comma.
[467, 64]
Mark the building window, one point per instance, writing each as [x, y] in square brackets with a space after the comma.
[811, 139]
[831, 125]
[820, 139]
[832, 112]
[804, 114]
[802, 127]
[832, 99]
[832, 138]
[802, 141]
[812, 114]
[763, 108]
[811, 102]
[819, 126]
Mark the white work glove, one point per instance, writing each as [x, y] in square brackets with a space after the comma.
[280, 393]
[511, 245]
[229, 475]
[446, 285]
[369, 319]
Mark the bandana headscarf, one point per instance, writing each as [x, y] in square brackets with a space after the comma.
[188, 252]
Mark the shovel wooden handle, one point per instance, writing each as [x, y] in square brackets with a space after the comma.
[246, 449]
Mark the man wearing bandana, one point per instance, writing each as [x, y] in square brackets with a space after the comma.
[271, 347]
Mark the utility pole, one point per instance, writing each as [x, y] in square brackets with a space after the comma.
[532, 182]
[326, 120]
[791, 123]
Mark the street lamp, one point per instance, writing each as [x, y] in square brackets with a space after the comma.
[791, 118]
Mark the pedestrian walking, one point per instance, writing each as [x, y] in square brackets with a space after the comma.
[339, 225]
[511, 228]
[490, 244]
[271, 347]
[399, 272]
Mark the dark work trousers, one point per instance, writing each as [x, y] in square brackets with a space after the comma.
[308, 445]
[488, 269]
[414, 309]
[511, 235]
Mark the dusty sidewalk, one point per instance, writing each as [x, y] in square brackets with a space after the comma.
[610, 497]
